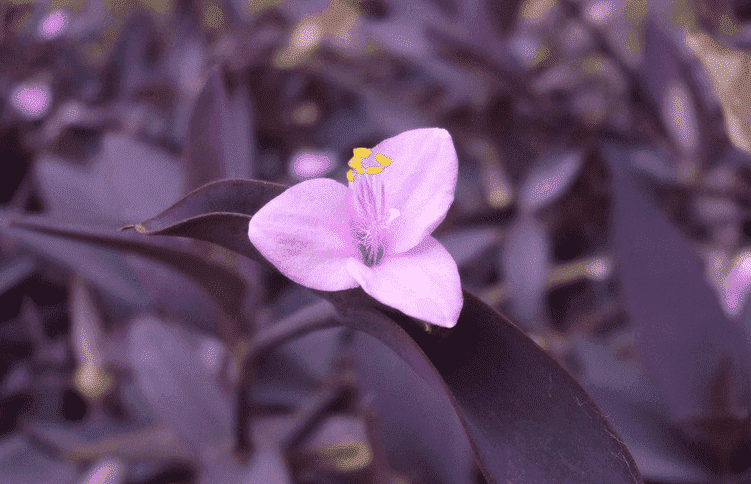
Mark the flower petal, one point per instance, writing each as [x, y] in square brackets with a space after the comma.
[304, 232]
[422, 283]
[419, 182]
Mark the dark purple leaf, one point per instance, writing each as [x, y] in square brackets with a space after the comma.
[126, 180]
[219, 138]
[14, 271]
[21, 462]
[527, 263]
[85, 443]
[267, 465]
[223, 283]
[129, 66]
[654, 164]
[699, 359]
[280, 380]
[217, 212]
[230, 230]
[179, 387]
[632, 403]
[243, 197]
[105, 268]
[177, 297]
[669, 89]
[316, 352]
[408, 408]
[467, 244]
[549, 179]
[513, 400]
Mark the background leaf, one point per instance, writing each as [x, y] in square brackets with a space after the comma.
[126, 180]
[678, 315]
[549, 179]
[37, 466]
[631, 402]
[221, 134]
[225, 284]
[526, 261]
[182, 392]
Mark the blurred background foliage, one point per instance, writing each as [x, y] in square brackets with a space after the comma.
[603, 203]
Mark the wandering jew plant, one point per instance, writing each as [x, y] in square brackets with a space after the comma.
[375, 232]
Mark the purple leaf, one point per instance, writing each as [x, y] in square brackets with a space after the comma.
[465, 245]
[526, 262]
[632, 404]
[73, 244]
[179, 387]
[699, 359]
[220, 131]
[21, 462]
[549, 180]
[128, 180]
[409, 407]
[104, 267]
[670, 91]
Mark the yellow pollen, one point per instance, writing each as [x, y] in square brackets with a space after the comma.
[356, 163]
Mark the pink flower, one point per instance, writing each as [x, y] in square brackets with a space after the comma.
[375, 233]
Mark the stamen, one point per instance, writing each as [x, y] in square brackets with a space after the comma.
[369, 228]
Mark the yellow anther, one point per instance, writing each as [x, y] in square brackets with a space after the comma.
[361, 152]
[356, 163]
[382, 160]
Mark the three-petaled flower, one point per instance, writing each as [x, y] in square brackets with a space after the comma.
[375, 232]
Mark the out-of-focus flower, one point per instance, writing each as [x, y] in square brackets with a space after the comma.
[735, 286]
[311, 163]
[375, 233]
[54, 25]
[32, 99]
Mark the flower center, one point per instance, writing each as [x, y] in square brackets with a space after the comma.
[370, 223]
